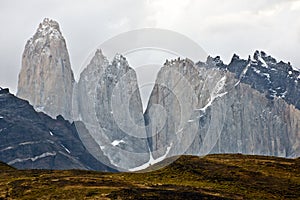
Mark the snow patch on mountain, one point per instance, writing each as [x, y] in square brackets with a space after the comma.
[256, 70]
[264, 64]
[67, 150]
[117, 142]
[7, 148]
[28, 143]
[215, 93]
[33, 159]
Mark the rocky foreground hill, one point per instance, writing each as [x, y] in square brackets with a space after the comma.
[210, 177]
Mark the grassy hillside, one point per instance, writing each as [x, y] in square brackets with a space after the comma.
[4, 166]
[190, 177]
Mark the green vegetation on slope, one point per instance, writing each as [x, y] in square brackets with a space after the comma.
[212, 177]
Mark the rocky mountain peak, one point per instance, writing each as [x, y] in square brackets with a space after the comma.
[48, 30]
[263, 73]
[48, 26]
[99, 52]
[235, 57]
[107, 101]
[50, 23]
[258, 54]
[98, 59]
[119, 60]
[46, 78]
[4, 90]
[178, 62]
[216, 61]
[118, 67]
[239, 103]
[264, 59]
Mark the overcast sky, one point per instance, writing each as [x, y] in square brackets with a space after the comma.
[220, 27]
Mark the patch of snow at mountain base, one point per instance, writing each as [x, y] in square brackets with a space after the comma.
[151, 161]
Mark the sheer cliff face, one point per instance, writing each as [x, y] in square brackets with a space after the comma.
[109, 104]
[182, 94]
[46, 79]
[225, 113]
[254, 124]
[85, 91]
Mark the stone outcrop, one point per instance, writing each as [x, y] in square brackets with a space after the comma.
[109, 104]
[46, 78]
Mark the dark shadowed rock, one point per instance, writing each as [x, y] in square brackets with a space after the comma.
[31, 140]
